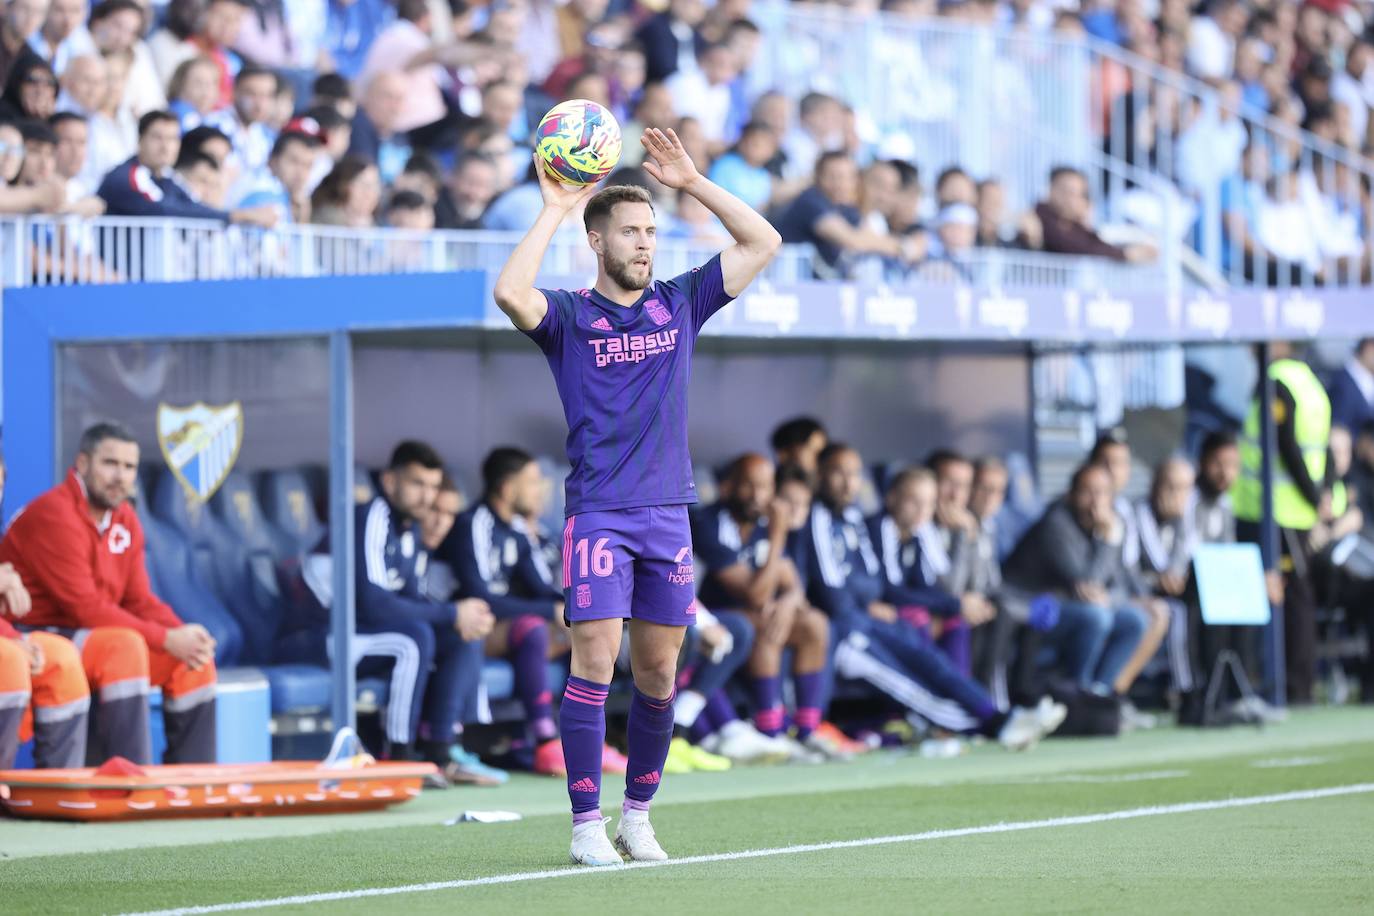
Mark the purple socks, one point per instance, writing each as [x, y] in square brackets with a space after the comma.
[810, 697]
[650, 731]
[768, 712]
[582, 719]
[529, 651]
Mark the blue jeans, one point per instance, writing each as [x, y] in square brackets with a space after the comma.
[711, 676]
[1094, 643]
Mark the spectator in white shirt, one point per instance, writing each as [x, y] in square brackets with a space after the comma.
[63, 36]
[1212, 39]
[705, 92]
[246, 123]
[1353, 87]
[117, 26]
[820, 129]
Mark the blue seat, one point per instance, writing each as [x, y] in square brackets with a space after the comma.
[174, 580]
[251, 557]
[289, 508]
[298, 688]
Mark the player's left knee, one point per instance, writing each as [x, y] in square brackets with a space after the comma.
[814, 627]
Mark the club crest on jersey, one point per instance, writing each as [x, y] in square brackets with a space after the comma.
[657, 312]
[200, 443]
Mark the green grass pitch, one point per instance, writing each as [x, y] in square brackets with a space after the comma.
[1308, 855]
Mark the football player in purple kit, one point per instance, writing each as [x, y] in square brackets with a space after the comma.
[621, 356]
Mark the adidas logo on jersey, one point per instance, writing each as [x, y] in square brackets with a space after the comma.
[585, 784]
[601, 324]
[648, 779]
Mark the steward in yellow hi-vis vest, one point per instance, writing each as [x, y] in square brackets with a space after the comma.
[1302, 414]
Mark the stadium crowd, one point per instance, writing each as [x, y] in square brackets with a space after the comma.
[420, 113]
[842, 604]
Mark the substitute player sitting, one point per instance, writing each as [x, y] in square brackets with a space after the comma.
[621, 356]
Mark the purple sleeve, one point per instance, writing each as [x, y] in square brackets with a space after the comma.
[704, 288]
[548, 334]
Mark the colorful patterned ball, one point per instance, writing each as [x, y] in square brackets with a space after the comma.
[579, 142]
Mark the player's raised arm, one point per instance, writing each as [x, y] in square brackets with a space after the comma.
[514, 291]
[756, 241]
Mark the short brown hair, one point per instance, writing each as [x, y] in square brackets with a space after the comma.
[911, 475]
[603, 201]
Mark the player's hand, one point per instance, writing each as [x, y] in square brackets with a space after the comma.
[473, 618]
[1273, 585]
[1091, 592]
[556, 194]
[35, 653]
[667, 160]
[881, 610]
[780, 515]
[716, 641]
[1173, 584]
[976, 609]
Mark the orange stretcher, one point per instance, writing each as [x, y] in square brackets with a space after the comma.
[213, 790]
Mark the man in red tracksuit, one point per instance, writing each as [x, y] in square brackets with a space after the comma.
[79, 550]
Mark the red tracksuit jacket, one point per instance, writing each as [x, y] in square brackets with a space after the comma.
[80, 576]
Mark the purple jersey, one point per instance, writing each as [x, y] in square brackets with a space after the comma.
[622, 374]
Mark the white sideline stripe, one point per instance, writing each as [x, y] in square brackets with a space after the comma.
[517, 877]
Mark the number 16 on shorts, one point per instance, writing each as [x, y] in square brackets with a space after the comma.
[629, 562]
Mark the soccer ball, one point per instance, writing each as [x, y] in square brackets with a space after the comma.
[579, 142]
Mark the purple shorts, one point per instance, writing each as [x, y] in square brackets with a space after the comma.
[630, 563]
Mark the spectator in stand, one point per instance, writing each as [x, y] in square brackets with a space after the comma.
[377, 135]
[1353, 87]
[1073, 555]
[117, 27]
[655, 106]
[21, 19]
[219, 27]
[100, 82]
[200, 173]
[956, 235]
[283, 105]
[284, 186]
[348, 196]
[264, 37]
[1352, 389]
[955, 186]
[423, 176]
[743, 171]
[574, 19]
[335, 134]
[48, 198]
[503, 104]
[245, 123]
[170, 46]
[193, 93]
[352, 28]
[146, 186]
[798, 443]
[1284, 229]
[63, 35]
[1210, 149]
[79, 551]
[670, 40]
[819, 129]
[31, 92]
[69, 162]
[744, 40]
[1065, 221]
[706, 93]
[405, 49]
[1212, 39]
[471, 188]
[409, 211]
[825, 215]
[601, 56]
[333, 90]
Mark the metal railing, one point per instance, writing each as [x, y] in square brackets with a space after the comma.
[44, 251]
[1160, 149]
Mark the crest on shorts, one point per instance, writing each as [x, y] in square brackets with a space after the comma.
[200, 444]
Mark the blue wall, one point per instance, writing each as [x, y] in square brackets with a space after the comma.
[37, 319]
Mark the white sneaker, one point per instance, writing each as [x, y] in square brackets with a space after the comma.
[1021, 730]
[1133, 719]
[743, 743]
[634, 837]
[795, 751]
[829, 750]
[1050, 715]
[590, 845]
